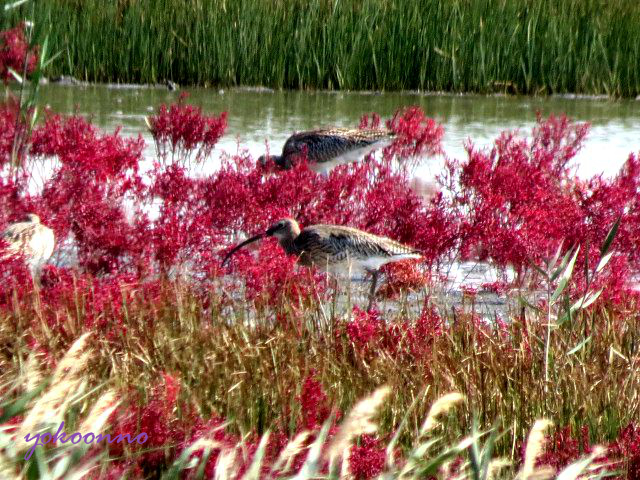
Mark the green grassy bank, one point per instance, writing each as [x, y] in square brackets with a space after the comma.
[519, 46]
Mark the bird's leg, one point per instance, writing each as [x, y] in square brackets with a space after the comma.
[372, 292]
[336, 284]
[36, 273]
[336, 295]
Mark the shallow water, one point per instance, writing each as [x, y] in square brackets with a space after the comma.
[258, 117]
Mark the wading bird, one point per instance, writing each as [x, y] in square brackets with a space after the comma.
[330, 147]
[31, 239]
[334, 248]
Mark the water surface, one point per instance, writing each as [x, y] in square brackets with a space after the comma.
[260, 116]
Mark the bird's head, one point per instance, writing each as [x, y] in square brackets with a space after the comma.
[31, 217]
[263, 160]
[272, 162]
[283, 229]
[287, 228]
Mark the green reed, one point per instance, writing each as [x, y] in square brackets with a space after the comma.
[532, 47]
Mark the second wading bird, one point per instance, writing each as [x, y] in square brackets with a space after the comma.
[329, 147]
[31, 239]
[335, 247]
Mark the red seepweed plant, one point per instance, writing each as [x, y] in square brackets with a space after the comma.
[516, 202]
[182, 133]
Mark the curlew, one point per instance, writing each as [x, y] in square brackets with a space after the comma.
[31, 239]
[329, 147]
[335, 247]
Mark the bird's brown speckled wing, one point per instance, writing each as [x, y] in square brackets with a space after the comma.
[17, 235]
[328, 244]
[327, 144]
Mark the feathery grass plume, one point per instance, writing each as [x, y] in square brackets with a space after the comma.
[535, 446]
[72, 461]
[65, 385]
[345, 473]
[226, 465]
[573, 471]
[442, 405]
[7, 469]
[100, 412]
[358, 421]
[73, 361]
[289, 452]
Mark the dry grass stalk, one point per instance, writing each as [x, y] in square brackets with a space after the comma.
[358, 421]
[441, 406]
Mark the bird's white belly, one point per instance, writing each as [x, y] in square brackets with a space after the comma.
[40, 247]
[348, 157]
[360, 266]
[374, 263]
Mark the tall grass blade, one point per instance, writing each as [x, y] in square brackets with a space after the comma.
[610, 237]
[566, 276]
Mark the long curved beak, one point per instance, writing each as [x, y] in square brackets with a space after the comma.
[240, 245]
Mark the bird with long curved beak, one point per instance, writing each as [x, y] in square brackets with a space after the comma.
[333, 247]
[329, 147]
